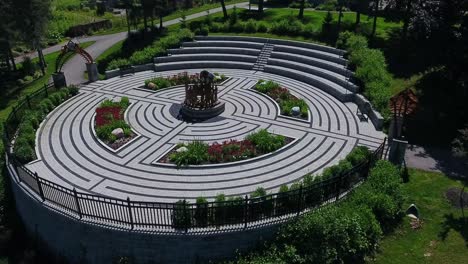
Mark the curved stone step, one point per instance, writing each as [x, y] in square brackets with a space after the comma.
[202, 64]
[321, 63]
[312, 53]
[234, 44]
[275, 41]
[325, 74]
[205, 56]
[335, 90]
[223, 50]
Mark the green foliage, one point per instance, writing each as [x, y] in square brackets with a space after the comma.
[73, 90]
[266, 142]
[287, 105]
[197, 153]
[343, 233]
[159, 82]
[157, 48]
[259, 192]
[266, 86]
[262, 27]
[123, 103]
[290, 27]
[105, 132]
[250, 26]
[181, 216]
[371, 70]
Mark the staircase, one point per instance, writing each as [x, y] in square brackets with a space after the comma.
[263, 57]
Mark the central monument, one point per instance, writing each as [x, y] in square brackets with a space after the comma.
[201, 99]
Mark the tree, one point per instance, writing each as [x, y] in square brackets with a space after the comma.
[376, 10]
[8, 33]
[359, 6]
[33, 17]
[260, 6]
[127, 5]
[301, 10]
[223, 5]
[341, 3]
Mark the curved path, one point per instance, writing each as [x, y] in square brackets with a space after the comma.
[72, 156]
[74, 68]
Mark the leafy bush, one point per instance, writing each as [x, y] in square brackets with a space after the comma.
[262, 27]
[197, 153]
[266, 142]
[181, 216]
[117, 63]
[266, 86]
[24, 152]
[371, 70]
[250, 26]
[291, 27]
[73, 90]
[158, 48]
[105, 132]
[287, 105]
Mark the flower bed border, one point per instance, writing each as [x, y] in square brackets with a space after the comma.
[93, 129]
[224, 164]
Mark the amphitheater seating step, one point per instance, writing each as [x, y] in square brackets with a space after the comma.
[202, 64]
[206, 56]
[332, 88]
[223, 50]
[237, 44]
[311, 53]
[326, 75]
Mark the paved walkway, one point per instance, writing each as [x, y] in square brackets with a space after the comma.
[436, 159]
[75, 67]
[72, 156]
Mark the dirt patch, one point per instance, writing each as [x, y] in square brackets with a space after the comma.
[120, 142]
[453, 195]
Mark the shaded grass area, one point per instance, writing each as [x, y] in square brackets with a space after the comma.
[443, 237]
[9, 98]
[198, 9]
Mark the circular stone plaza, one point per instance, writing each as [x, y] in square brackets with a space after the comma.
[72, 157]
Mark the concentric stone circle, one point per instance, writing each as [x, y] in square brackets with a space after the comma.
[70, 155]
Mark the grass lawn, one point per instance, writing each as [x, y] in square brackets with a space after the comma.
[8, 101]
[198, 9]
[428, 244]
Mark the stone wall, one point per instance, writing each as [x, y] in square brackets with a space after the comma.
[81, 242]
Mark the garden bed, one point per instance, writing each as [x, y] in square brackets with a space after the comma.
[158, 83]
[284, 98]
[201, 153]
[110, 117]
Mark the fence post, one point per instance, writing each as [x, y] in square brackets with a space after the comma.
[338, 187]
[41, 192]
[14, 113]
[383, 147]
[130, 212]
[299, 202]
[186, 216]
[45, 89]
[77, 203]
[246, 211]
[29, 102]
[6, 132]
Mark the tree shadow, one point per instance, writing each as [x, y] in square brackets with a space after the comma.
[458, 224]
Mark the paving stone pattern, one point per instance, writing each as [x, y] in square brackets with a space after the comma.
[72, 156]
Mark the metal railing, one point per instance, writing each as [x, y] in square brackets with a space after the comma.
[182, 216]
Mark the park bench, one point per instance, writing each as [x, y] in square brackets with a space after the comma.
[126, 69]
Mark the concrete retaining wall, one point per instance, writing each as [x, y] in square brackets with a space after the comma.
[81, 242]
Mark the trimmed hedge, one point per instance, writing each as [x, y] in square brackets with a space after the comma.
[343, 233]
[25, 142]
[158, 48]
[370, 70]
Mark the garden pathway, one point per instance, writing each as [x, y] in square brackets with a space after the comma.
[70, 154]
[75, 67]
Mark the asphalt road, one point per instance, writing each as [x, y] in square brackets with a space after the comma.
[75, 67]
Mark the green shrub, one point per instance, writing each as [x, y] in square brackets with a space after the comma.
[216, 27]
[287, 105]
[262, 27]
[105, 132]
[266, 86]
[201, 212]
[73, 89]
[181, 217]
[358, 154]
[56, 99]
[117, 63]
[250, 26]
[266, 142]
[237, 27]
[259, 192]
[291, 27]
[32, 118]
[203, 31]
[197, 153]
[160, 82]
[24, 152]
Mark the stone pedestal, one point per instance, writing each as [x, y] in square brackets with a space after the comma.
[397, 151]
[194, 114]
[59, 79]
[92, 69]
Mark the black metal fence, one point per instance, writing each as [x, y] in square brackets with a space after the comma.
[182, 216]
